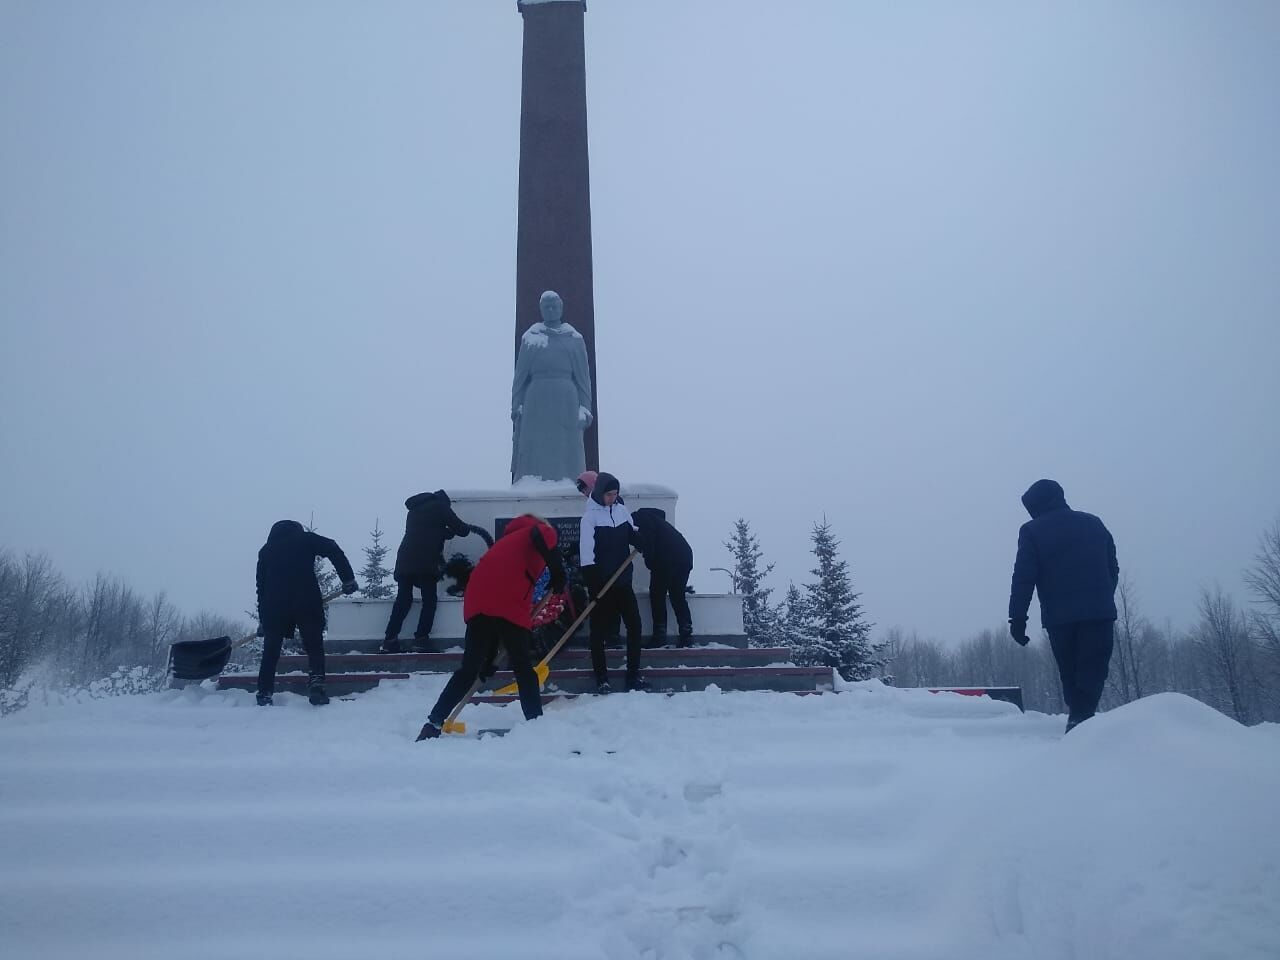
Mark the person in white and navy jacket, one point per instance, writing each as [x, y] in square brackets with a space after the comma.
[607, 535]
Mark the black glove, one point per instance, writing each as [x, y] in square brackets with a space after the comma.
[1018, 630]
[349, 588]
[593, 580]
[487, 671]
[557, 582]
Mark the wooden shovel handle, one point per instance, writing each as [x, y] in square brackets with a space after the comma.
[543, 668]
[451, 724]
[586, 611]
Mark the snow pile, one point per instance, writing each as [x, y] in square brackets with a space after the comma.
[1151, 831]
[875, 822]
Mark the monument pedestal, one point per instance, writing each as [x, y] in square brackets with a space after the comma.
[559, 503]
[357, 624]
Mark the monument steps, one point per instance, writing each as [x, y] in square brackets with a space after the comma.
[668, 669]
[780, 679]
[719, 655]
[500, 700]
[568, 658]
[336, 684]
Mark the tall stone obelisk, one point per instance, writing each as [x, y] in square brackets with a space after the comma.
[553, 235]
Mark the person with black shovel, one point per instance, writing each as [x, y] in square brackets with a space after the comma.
[289, 596]
[419, 562]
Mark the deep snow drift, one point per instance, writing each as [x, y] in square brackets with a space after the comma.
[871, 823]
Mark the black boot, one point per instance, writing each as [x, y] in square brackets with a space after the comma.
[264, 699]
[315, 692]
[389, 646]
[1073, 722]
[637, 682]
[429, 731]
[422, 645]
[603, 688]
[686, 638]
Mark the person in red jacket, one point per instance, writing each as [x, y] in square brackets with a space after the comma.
[497, 608]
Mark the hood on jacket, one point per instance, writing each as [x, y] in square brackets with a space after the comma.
[527, 520]
[418, 499]
[604, 483]
[284, 529]
[1043, 496]
[648, 515]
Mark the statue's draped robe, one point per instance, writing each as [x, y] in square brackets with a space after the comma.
[552, 382]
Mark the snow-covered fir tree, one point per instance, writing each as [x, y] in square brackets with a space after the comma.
[759, 617]
[831, 629]
[374, 575]
[793, 617]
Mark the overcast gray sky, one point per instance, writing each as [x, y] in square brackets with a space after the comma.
[884, 263]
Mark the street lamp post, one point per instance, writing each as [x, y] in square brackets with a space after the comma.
[733, 580]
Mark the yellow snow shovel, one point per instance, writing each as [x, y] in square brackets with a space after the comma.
[452, 724]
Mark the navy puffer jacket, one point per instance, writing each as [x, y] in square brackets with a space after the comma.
[1066, 556]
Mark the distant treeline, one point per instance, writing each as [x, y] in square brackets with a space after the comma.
[1220, 661]
[1230, 659]
[75, 635]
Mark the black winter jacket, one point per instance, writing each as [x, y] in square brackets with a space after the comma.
[431, 521]
[1067, 557]
[287, 588]
[662, 545]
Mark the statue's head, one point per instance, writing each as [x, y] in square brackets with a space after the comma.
[551, 307]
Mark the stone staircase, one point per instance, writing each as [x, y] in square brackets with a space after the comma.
[719, 656]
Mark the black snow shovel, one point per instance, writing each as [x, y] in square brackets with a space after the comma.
[205, 659]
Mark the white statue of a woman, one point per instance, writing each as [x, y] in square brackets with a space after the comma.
[550, 398]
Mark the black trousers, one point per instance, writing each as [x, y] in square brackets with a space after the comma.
[404, 600]
[1083, 652]
[670, 583]
[273, 639]
[619, 603]
[485, 635]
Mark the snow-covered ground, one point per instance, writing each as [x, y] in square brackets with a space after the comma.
[871, 823]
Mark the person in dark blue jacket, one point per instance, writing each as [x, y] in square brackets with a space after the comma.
[1069, 558]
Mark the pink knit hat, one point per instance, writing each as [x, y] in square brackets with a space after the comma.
[587, 480]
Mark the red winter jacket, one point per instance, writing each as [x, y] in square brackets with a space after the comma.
[501, 585]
